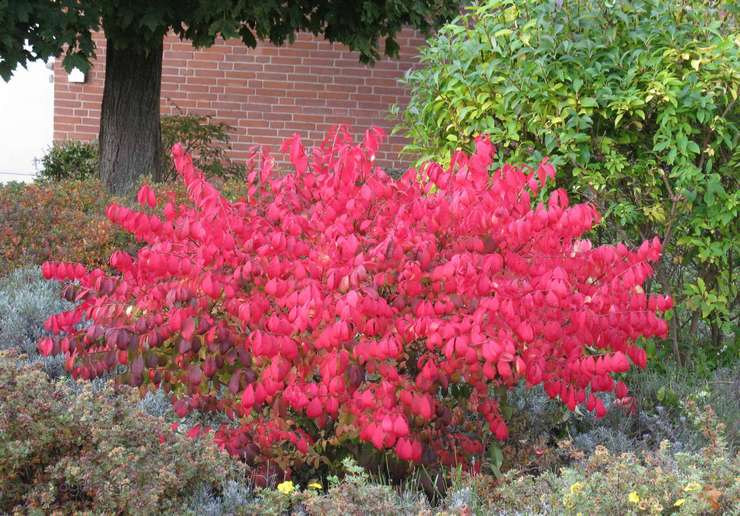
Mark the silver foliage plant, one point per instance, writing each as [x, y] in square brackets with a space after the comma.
[26, 301]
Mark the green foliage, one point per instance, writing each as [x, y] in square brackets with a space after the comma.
[70, 160]
[635, 102]
[32, 30]
[67, 447]
[205, 139]
[50, 28]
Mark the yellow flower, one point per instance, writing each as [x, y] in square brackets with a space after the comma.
[568, 501]
[692, 487]
[633, 497]
[286, 487]
[315, 485]
[576, 488]
[679, 502]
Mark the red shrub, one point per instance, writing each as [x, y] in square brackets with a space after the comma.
[335, 303]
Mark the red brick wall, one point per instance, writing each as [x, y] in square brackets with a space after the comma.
[266, 94]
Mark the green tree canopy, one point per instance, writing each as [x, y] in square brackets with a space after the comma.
[134, 30]
[52, 27]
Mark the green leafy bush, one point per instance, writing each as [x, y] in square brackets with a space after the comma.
[201, 136]
[205, 139]
[70, 160]
[69, 447]
[635, 101]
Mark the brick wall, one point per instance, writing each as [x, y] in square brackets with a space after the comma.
[266, 94]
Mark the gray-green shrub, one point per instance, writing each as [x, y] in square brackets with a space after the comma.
[26, 301]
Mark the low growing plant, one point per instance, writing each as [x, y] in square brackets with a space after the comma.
[334, 311]
[356, 493]
[69, 448]
[206, 139]
[65, 221]
[60, 220]
[646, 482]
[26, 301]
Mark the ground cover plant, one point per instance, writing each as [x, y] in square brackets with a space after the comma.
[682, 480]
[332, 311]
[634, 482]
[73, 447]
[26, 301]
[55, 221]
[635, 103]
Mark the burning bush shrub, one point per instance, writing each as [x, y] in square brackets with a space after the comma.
[334, 306]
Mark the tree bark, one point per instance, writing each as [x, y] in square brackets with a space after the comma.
[130, 134]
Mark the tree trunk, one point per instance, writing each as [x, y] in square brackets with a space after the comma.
[130, 136]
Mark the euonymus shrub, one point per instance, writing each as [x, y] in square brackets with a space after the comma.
[334, 305]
